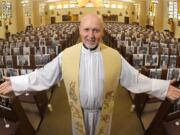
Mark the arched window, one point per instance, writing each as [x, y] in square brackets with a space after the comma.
[173, 9]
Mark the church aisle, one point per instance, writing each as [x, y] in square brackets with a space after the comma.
[58, 122]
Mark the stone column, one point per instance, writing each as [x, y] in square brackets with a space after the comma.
[36, 15]
[47, 14]
[19, 16]
[143, 13]
[159, 15]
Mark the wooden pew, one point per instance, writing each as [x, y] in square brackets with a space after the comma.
[163, 122]
[14, 118]
[35, 105]
[153, 114]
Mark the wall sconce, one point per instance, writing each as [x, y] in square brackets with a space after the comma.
[80, 12]
[126, 12]
[58, 14]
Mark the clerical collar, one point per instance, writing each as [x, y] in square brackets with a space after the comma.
[90, 49]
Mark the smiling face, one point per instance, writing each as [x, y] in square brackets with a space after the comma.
[91, 30]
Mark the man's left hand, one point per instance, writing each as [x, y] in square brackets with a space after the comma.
[173, 92]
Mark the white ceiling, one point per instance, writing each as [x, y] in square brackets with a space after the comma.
[94, 1]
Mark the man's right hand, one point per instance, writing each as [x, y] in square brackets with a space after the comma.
[6, 87]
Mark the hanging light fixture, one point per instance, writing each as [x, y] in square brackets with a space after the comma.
[24, 2]
[89, 4]
[73, 4]
[42, 7]
[49, 1]
[129, 1]
[106, 3]
[155, 1]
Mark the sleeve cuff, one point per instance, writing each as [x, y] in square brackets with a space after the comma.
[19, 83]
[160, 88]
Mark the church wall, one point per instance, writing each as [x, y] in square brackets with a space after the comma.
[136, 13]
[81, 11]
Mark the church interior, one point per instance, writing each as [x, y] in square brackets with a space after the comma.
[145, 32]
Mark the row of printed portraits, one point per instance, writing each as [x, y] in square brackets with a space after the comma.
[24, 60]
[139, 43]
[172, 73]
[13, 72]
[29, 50]
[163, 61]
[154, 50]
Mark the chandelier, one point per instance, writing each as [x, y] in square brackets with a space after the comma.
[89, 4]
[24, 2]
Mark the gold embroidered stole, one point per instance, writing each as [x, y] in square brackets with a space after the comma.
[70, 71]
[112, 68]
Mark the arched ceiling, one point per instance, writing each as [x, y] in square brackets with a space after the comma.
[96, 3]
